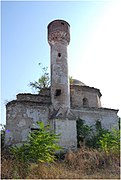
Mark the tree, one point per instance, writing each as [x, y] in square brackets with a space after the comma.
[44, 80]
[71, 80]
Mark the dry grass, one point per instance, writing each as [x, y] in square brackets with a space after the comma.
[84, 164]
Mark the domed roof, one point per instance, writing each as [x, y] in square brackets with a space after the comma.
[77, 82]
[84, 87]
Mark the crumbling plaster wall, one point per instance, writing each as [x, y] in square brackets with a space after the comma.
[58, 39]
[67, 129]
[59, 80]
[21, 117]
[107, 117]
[22, 114]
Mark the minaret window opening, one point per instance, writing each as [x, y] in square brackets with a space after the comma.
[58, 92]
[59, 54]
[85, 102]
[62, 23]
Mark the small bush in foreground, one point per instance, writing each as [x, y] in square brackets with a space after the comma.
[110, 141]
[41, 146]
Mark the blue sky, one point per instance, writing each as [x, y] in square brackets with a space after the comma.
[93, 54]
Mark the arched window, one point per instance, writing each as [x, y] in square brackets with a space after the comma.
[85, 102]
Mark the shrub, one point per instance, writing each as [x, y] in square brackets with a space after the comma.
[98, 137]
[43, 82]
[41, 146]
[110, 141]
[84, 132]
[97, 133]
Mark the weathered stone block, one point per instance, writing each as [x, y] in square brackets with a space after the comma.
[68, 133]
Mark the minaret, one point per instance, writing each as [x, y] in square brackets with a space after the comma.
[58, 39]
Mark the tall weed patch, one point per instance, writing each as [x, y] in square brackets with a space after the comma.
[41, 146]
[110, 141]
[86, 159]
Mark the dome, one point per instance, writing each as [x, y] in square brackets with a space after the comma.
[77, 82]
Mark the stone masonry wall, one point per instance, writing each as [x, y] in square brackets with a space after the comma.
[78, 93]
[22, 114]
[58, 39]
[108, 117]
[41, 98]
[67, 129]
[21, 117]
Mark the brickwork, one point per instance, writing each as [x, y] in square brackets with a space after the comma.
[58, 30]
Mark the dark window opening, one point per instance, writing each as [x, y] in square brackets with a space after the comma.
[34, 129]
[62, 23]
[85, 102]
[59, 54]
[98, 125]
[58, 92]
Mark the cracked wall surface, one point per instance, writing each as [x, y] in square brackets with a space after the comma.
[21, 117]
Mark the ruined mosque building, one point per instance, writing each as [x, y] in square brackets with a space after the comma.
[62, 104]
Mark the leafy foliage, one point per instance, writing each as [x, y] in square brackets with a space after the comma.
[98, 137]
[41, 146]
[44, 80]
[83, 132]
[70, 80]
[97, 134]
[110, 141]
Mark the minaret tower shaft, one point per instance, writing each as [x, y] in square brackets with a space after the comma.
[58, 39]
